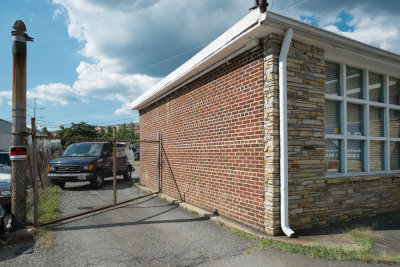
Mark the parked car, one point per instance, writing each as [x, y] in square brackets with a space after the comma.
[2, 220]
[5, 168]
[5, 158]
[137, 154]
[5, 191]
[89, 161]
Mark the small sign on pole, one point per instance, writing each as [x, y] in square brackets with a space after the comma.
[18, 152]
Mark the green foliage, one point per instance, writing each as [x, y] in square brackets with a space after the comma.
[81, 129]
[45, 131]
[49, 202]
[124, 132]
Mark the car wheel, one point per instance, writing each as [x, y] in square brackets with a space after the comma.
[2, 224]
[127, 176]
[97, 182]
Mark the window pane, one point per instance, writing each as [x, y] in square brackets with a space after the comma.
[354, 119]
[376, 155]
[332, 156]
[332, 125]
[332, 83]
[354, 81]
[395, 155]
[394, 123]
[394, 91]
[355, 152]
[376, 116]
[375, 87]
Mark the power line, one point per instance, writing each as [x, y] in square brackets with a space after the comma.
[336, 10]
[176, 56]
[293, 6]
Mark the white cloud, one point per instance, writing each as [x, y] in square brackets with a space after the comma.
[5, 95]
[55, 94]
[94, 82]
[122, 38]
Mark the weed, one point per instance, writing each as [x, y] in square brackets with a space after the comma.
[48, 209]
[319, 251]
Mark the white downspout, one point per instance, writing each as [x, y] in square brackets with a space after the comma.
[284, 173]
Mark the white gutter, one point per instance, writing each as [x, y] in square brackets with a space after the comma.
[283, 133]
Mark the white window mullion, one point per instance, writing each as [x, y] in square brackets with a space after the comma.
[367, 156]
[343, 117]
[386, 121]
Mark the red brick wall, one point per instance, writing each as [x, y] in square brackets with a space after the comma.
[212, 134]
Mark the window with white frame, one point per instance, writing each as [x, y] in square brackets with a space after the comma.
[362, 120]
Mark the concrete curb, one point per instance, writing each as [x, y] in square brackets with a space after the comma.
[331, 241]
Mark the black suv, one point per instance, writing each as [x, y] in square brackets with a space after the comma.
[89, 161]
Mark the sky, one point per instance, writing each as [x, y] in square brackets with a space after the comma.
[92, 58]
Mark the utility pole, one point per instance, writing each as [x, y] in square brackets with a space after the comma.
[34, 108]
[18, 167]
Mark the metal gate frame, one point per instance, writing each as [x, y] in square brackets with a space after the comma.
[114, 142]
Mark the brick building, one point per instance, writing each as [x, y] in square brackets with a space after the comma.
[279, 125]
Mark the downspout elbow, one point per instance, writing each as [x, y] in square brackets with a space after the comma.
[284, 174]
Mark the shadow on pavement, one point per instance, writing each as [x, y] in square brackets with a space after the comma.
[140, 222]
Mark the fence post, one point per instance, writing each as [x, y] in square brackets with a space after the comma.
[159, 161]
[115, 164]
[35, 185]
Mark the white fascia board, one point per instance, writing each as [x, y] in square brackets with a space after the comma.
[202, 60]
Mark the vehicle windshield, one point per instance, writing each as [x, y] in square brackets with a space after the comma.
[83, 150]
[5, 159]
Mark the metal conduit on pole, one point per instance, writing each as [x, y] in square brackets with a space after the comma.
[284, 173]
[18, 167]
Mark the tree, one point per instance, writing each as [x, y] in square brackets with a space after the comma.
[108, 134]
[45, 131]
[81, 129]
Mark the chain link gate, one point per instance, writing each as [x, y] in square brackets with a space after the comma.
[77, 176]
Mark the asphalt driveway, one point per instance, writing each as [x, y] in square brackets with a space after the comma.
[150, 232]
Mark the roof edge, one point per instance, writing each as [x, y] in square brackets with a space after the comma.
[253, 21]
[189, 67]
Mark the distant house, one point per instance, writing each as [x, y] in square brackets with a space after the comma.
[5, 135]
[279, 125]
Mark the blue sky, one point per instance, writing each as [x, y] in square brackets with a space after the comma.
[91, 58]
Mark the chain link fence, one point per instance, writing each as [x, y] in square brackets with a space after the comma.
[76, 176]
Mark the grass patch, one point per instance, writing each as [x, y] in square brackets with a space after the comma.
[45, 236]
[137, 164]
[49, 209]
[48, 202]
[362, 237]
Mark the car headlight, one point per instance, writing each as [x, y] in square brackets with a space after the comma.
[5, 193]
[88, 167]
[51, 168]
